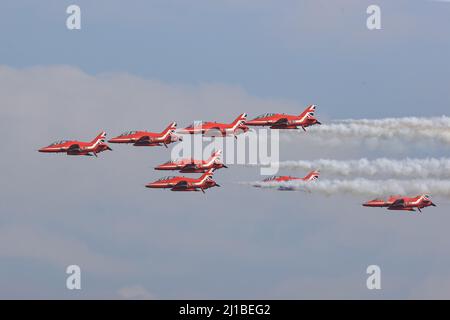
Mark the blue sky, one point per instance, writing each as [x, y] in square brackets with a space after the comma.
[142, 64]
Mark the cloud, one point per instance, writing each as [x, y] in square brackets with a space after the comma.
[324, 287]
[66, 99]
[17, 241]
[433, 286]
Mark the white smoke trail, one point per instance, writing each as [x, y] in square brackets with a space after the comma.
[408, 122]
[365, 187]
[412, 168]
[359, 131]
[410, 129]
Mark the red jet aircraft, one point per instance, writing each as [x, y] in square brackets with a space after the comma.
[285, 121]
[312, 176]
[144, 138]
[77, 148]
[402, 203]
[194, 166]
[218, 129]
[186, 184]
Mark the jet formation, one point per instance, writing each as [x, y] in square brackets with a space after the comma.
[207, 167]
[170, 135]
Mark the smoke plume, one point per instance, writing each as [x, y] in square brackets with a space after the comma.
[410, 129]
[365, 187]
[405, 168]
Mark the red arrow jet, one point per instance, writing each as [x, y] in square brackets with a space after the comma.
[186, 184]
[285, 121]
[313, 175]
[77, 148]
[402, 203]
[215, 129]
[144, 138]
[194, 166]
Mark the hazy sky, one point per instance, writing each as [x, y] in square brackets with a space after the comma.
[143, 64]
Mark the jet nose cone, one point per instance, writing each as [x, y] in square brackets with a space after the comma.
[44, 149]
[150, 185]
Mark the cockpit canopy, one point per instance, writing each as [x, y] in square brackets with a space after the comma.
[265, 115]
[166, 178]
[197, 124]
[271, 178]
[128, 133]
[58, 142]
[173, 161]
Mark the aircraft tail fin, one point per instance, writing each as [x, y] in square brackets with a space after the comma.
[239, 120]
[312, 176]
[100, 138]
[207, 174]
[170, 128]
[309, 111]
[215, 154]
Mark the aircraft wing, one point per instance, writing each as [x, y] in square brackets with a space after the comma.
[181, 185]
[189, 166]
[144, 140]
[399, 203]
[285, 188]
[74, 148]
[281, 122]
